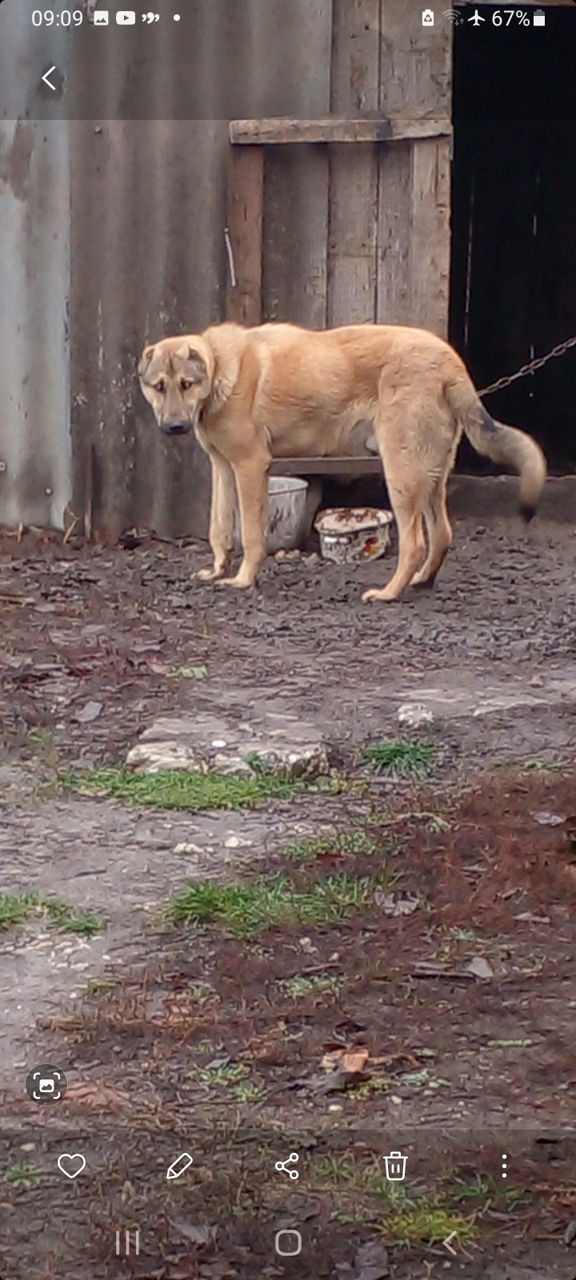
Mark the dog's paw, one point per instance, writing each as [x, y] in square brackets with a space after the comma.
[209, 575]
[374, 594]
[241, 584]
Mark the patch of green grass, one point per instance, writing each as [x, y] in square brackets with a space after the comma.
[484, 1192]
[406, 1217]
[301, 985]
[399, 759]
[178, 789]
[16, 908]
[22, 1176]
[100, 986]
[426, 1222]
[463, 935]
[69, 919]
[247, 1091]
[222, 1077]
[342, 842]
[417, 1216]
[249, 909]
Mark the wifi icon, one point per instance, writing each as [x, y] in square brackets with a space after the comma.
[453, 16]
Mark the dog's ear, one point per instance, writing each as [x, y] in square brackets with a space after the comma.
[146, 357]
[196, 366]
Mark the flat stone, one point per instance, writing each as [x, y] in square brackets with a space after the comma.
[278, 743]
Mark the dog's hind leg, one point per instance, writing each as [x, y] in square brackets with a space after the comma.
[409, 486]
[222, 512]
[406, 503]
[439, 531]
[252, 485]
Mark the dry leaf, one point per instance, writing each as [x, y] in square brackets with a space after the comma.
[349, 1060]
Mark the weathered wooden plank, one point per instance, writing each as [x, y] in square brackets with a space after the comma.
[415, 66]
[429, 257]
[354, 169]
[393, 295]
[413, 233]
[296, 186]
[276, 131]
[244, 235]
[296, 235]
[357, 466]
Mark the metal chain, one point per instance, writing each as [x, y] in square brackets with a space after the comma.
[529, 368]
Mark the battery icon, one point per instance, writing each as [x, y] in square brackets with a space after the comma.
[179, 1166]
[539, 18]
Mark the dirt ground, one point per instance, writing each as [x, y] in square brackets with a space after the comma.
[435, 1016]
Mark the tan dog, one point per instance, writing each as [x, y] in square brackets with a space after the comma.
[278, 391]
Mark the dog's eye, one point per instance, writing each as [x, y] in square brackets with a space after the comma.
[160, 386]
[185, 384]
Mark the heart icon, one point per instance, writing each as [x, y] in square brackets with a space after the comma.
[71, 1166]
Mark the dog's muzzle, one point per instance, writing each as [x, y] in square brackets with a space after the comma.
[175, 428]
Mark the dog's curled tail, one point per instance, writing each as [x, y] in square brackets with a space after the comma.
[507, 446]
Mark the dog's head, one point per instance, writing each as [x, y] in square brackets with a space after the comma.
[176, 378]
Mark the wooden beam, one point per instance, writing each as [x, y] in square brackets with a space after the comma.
[244, 236]
[278, 130]
[354, 169]
[359, 466]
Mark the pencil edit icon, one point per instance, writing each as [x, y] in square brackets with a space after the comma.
[179, 1166]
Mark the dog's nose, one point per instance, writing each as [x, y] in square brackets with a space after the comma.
[175, 428]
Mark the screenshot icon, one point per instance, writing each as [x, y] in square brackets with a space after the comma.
[46, 1084]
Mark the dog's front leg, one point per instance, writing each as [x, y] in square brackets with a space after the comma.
[222, 512]
[252, 486]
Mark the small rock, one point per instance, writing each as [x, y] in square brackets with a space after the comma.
[480, 968]
[89, 712]
[537, 681]
[546, 819]
[570, 1233]
[414, 714]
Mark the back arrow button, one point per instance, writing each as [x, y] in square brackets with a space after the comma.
[447, 1244]
[47, 80]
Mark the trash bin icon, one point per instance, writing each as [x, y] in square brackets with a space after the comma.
[395, 1165]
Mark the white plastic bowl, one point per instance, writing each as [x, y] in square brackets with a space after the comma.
[287, 513]
[287, 523]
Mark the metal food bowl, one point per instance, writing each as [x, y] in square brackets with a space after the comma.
[349, 534]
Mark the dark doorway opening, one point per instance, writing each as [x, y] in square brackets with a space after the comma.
[513, 275]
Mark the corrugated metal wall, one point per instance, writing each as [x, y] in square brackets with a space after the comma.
[35, 474]
[119, 225]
